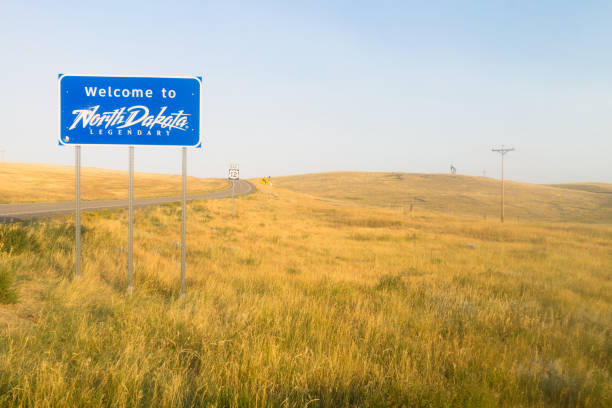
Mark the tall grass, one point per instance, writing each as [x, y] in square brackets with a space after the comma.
[299, 302]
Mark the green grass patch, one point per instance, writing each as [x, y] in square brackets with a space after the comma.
[8, 293]
[16, 239]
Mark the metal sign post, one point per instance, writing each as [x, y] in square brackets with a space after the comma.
[129, 111]
[234, 174]
[77, 212]
[183, 226]
[131, 224]
[233, 198]
[265, 181]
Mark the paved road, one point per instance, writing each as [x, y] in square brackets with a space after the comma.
[24, 211]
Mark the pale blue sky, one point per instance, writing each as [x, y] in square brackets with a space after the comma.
[295, 87]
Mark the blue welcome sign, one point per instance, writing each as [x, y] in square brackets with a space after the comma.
[109, 110]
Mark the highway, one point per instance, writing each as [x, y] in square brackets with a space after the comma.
[10, 213]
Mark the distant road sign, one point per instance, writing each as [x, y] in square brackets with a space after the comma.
[265, 181]
[234, 172]
[112, 110]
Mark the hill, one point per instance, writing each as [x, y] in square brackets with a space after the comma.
[23, 182]
[459, 195]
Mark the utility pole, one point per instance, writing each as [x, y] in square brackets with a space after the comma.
[503, 152]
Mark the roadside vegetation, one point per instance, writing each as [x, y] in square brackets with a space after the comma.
[299, 301]
[24, 182]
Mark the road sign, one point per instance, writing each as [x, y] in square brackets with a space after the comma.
[113, 110]
[234, 172]
[136, 110]
[264, 181]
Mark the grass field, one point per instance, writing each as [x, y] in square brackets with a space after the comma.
[24, 182]
[462, 195]
[299, 301]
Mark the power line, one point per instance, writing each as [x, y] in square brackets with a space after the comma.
[502, 152]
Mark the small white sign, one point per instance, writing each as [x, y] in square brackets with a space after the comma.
[234, 172]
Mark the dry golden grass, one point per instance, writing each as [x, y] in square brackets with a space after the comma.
[461, 195]
[302, 302]
[604, 188]
[23, 182]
